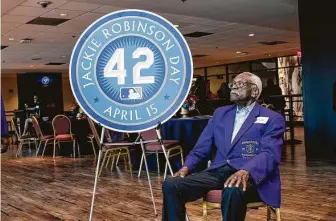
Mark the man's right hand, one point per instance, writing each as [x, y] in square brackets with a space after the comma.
[182, 172]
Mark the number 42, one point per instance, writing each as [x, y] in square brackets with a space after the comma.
[118, 58]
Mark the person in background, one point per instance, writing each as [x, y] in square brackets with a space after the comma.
[209, 94]
[74, 109]
[224, 91]
[271, 90]
[248, 140]
[34, 109]
[4, 129]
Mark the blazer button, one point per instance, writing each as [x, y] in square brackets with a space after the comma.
[228, 161]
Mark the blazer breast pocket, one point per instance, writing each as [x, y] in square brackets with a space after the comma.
[256, 131]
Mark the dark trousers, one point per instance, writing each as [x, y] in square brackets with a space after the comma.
[177, 191]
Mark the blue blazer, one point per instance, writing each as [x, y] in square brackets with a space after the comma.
[256, 147]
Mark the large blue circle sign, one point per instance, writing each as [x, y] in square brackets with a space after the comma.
[130, 70]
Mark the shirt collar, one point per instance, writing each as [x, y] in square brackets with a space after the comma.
[246, 109]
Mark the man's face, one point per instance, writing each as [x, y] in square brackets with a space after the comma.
[35, 98]
[242, 89]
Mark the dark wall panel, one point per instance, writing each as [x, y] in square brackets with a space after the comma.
[318, 45]
[47, 86]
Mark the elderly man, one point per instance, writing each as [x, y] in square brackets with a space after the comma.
[248, 139]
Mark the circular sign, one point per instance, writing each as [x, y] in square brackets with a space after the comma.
[45, 80]
[130, 70]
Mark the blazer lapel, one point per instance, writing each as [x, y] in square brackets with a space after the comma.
[247, 124]
[229, 123]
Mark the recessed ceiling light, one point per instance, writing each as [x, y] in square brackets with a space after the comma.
[63, 14]
[176, 26]
[11, 39]
[31, 66]
[238, 52]
[63, 56]
[251, 34]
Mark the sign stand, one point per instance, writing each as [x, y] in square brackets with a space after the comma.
[97, 171]
[140, 141]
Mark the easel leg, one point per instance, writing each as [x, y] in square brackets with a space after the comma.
[95, 184]
[148, 176]
[97, 171]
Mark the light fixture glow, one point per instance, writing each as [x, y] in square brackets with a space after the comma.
[31, 66]
[63, 14]
[238, 52]
[11, 39]
[251, 34]
[176, 26]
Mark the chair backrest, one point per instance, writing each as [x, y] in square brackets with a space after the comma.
[94, 130]
[61, 125]
[16, 129]
[149, 134]
[108, 135]
[37, 127]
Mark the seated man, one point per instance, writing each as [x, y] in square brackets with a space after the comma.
[248, 139]
[34, 110]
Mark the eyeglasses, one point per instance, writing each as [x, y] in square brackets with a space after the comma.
[239, 84]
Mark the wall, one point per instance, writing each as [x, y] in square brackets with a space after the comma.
[68, 97]
[318, 34]
[215, 83]
[9, 81]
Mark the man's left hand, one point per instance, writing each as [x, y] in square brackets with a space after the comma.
[239, 178]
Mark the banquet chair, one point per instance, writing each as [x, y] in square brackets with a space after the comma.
[173, 148]
[111, 149]
[22, 140]
[42, 138]
[212, 200]
[109, 138]
[62, 133]
[91, 140]
[11, 133]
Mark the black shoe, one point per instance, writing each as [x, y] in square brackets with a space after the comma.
[4, 145]
[4, 148]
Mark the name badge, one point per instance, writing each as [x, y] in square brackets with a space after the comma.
[261, 120]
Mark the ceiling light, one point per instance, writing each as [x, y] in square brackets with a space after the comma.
[238, 52]
[251, 34]
[63, 56]
[31, 66]
[63, 14]
[11, 39]
[176, 26]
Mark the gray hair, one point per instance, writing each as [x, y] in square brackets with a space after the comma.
[254, 79]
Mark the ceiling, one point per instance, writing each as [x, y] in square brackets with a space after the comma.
[229, 21]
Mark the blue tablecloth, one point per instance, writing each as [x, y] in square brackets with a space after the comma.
[187, 131]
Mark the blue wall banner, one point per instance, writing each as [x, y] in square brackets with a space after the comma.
[130, 70]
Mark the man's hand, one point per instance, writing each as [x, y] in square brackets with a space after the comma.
[182, 172]
[238, 178]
